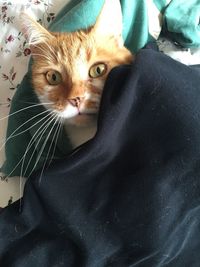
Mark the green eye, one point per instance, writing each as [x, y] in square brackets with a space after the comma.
[97, 70]
[53, 77]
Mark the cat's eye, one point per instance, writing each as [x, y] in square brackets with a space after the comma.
[53, 77]
[97, 70]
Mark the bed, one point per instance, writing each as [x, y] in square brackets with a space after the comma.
[112, 215]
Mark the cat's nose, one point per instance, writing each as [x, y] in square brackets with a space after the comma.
[75, 102]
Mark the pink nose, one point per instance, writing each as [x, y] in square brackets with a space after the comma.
[75, 102]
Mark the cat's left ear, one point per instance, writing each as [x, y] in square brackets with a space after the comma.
[33, 31]
[109, 22]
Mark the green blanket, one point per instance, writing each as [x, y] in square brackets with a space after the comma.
[142, 22]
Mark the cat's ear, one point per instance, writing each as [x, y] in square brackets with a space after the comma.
[33, 31]
[109, 21]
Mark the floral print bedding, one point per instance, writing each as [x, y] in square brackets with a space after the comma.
[14, 58]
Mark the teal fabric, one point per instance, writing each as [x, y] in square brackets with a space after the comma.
[182, 22]
[82, 14]
[75, 15]
[160, 4]
[135, 11]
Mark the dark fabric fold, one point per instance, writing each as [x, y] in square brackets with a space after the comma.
[131, 195]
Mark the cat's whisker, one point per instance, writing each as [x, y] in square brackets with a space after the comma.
[58, 133]
[50, 115]
[8, 175]
[46, 111]
[56, 141]
[43, 146]
[55, 137]
[15, 135]
[28, 102]
[38, 133]
[23, 109]
[23, 156]
[28, 147]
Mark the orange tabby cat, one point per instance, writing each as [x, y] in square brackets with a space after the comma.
[69, 69]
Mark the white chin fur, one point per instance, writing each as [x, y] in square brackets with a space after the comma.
[68, 113]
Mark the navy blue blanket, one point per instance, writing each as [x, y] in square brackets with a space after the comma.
[131, 195]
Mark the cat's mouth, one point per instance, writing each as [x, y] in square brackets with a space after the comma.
[78, 117]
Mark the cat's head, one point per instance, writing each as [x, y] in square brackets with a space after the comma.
[69, 69]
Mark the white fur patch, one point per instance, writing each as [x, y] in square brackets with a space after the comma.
[69, 112]
[45, 101]
[81, 68]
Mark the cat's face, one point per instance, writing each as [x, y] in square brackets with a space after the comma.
[69, 69]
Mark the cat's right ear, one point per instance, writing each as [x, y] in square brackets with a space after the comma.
[33, 31]
[109, 21]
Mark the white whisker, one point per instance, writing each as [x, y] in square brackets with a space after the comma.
[56, 141]
[15, 135]
[27, 149]
[43, 146]
[29, 102]
[23, 156]
[32, 141]
[47, 156]
[20, 110]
